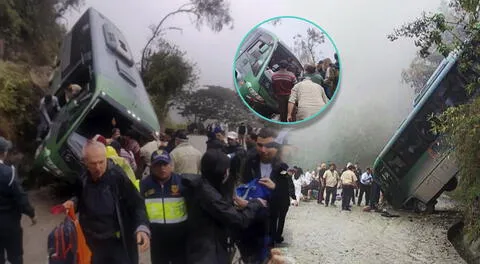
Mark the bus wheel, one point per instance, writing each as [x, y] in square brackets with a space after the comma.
[421, 207]
[451, 184]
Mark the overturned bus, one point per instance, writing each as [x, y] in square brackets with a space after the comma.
[94, 55]
[258, 57]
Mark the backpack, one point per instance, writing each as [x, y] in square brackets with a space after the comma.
[62, 243]
[66, 243]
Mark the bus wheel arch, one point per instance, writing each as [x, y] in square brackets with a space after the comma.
[451, 184]
[421, 207]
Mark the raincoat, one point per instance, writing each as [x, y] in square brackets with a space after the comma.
[123, 163]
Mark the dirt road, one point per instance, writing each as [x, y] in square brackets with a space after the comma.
[328, 235]
[314, 234]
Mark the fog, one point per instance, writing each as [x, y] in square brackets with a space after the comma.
[288, 28]
[371, 101]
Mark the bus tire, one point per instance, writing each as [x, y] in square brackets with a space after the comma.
[451, 184]
[421, 207]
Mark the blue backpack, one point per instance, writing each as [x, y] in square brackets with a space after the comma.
[253, 190]
[62, 243]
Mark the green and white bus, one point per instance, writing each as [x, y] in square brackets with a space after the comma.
[416, 167]
[257, 58]
[96, 56]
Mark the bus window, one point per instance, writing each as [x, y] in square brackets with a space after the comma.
[257, 58]
[396, 163]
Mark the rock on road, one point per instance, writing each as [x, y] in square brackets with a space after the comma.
[313, 234]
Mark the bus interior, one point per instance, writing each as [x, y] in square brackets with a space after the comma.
[102, 119]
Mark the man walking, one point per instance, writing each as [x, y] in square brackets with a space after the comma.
[13, 203]
[111, 211]
[167, 212]
[282, 83]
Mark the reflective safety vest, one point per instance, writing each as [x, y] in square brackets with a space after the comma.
[165, 204]
[123, 163]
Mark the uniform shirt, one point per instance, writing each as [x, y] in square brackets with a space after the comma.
[310, 97]
[348, 177]
[366, 178]
[331, 178]
[186, 159]
[13, 200]
[282, 82]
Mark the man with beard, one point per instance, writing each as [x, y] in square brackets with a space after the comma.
[266, 167]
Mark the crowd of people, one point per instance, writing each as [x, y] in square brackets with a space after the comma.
[163, 193]
[298, 99]
[324, 183]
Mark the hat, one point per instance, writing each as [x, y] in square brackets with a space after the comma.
[283, 168]
[232, 135]
[217, 130]
[100, 139]
[181, 135]
[5, 145]
[160, 156]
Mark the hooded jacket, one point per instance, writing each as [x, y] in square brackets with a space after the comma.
[210, 217]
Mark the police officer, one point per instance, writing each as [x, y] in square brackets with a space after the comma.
[13, 203]
[165, 203]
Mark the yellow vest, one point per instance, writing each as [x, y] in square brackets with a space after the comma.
[122, 163]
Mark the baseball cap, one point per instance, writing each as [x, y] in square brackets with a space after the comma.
[232, 135]
[160, 156]
[181, 135]
[5, 145]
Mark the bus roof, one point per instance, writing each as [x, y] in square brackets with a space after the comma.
[444, 67]
[115, 75]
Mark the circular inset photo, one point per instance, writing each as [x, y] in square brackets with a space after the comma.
[287, 70]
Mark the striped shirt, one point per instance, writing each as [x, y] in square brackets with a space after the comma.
[283, 81]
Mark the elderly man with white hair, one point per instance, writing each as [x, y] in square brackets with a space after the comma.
[111, 211]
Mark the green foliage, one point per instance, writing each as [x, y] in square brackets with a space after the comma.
[461, 126]
[459, 29]
[30, 28]
[167, 73]
[18, 104]
[215, 102]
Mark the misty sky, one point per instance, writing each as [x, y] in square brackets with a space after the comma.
[371, 97]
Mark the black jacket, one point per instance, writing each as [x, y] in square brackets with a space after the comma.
[284, 184]
[129, 212]
[210, 217]
[13, 200]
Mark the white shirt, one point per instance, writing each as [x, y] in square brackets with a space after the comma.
[366, 178]
[265, 169]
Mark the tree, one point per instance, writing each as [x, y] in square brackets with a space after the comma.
[214, 13]
[420, 71]
[31, 29]
[459, 125]
[214, 102]
[306, 47]
[168, 72]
